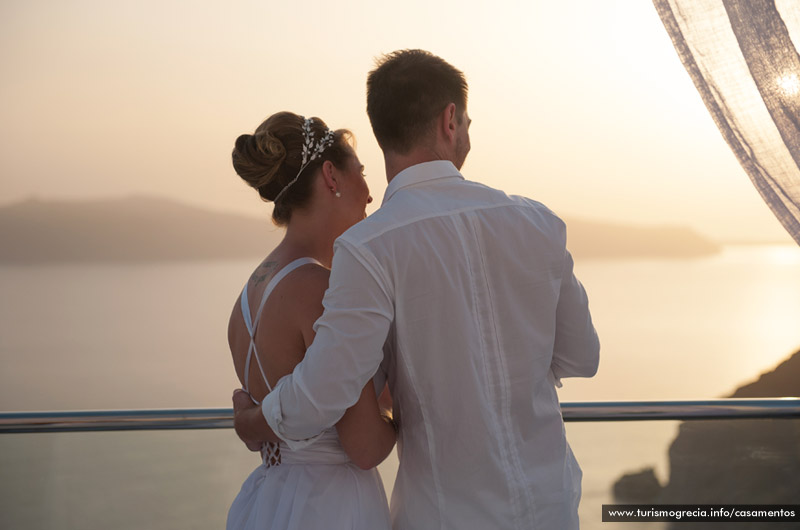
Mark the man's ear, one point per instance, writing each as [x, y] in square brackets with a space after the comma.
[448, 120]
[329, 175]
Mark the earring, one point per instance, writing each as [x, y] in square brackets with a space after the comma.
[338, 194]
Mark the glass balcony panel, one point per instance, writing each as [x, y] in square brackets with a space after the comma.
[187, 479]
[121, 480]
[695, 462]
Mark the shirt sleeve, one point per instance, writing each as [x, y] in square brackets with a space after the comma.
[345, 354]
[576, 351]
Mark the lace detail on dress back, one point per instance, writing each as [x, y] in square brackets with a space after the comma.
[270, 452]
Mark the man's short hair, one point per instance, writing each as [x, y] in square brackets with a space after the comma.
[406, 91]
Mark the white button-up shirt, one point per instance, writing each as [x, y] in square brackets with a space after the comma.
[466, 297]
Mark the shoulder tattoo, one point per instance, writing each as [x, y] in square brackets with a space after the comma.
[263, 271]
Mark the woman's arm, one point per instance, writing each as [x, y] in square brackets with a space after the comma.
[367, 434]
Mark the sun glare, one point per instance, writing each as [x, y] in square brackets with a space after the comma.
[789, 84]
[783, 254]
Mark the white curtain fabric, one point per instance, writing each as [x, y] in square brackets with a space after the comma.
[742, 56]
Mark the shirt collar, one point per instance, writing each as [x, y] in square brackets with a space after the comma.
[424, 172]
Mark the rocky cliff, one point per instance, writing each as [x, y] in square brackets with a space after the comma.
[731, 461]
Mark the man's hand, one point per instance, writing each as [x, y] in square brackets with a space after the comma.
[243, 408]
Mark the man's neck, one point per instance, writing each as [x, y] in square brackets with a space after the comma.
[395, 162]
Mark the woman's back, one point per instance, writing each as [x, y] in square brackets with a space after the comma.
[265, 331]
[317, 486]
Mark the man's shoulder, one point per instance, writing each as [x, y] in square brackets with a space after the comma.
[530, 207]
[376, 223]
[407, 209]
[540, 209]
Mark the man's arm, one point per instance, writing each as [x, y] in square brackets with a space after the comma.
[576, 351]
[345, 354]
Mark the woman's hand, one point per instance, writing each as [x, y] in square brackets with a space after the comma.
[243, 419]
[385, 402]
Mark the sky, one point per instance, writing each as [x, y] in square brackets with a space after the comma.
[582, 105]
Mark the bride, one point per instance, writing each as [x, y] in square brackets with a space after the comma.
[316, 182]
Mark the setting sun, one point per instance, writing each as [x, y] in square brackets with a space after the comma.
[789, 84]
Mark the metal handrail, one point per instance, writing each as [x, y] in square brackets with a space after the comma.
[709, 409]
[222, 418]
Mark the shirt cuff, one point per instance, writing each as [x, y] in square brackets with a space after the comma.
[271, 409]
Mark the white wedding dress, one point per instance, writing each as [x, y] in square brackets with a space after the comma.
[317, 487]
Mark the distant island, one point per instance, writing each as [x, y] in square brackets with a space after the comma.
[594, 239]
[146, 228]
[129, 229]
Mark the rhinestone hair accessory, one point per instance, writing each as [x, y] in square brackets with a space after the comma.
[311, 150]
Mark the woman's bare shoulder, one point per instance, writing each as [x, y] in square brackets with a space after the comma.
[303, 287]
[300, 297]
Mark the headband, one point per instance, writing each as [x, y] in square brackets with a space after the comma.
[311, 150]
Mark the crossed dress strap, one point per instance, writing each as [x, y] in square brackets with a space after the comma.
[270, 452]
[253, 324]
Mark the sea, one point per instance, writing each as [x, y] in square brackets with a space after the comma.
[124, 336]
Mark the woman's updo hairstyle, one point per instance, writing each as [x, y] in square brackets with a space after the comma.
[271, 158]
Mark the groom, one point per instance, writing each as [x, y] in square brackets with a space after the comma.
[468, 298]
